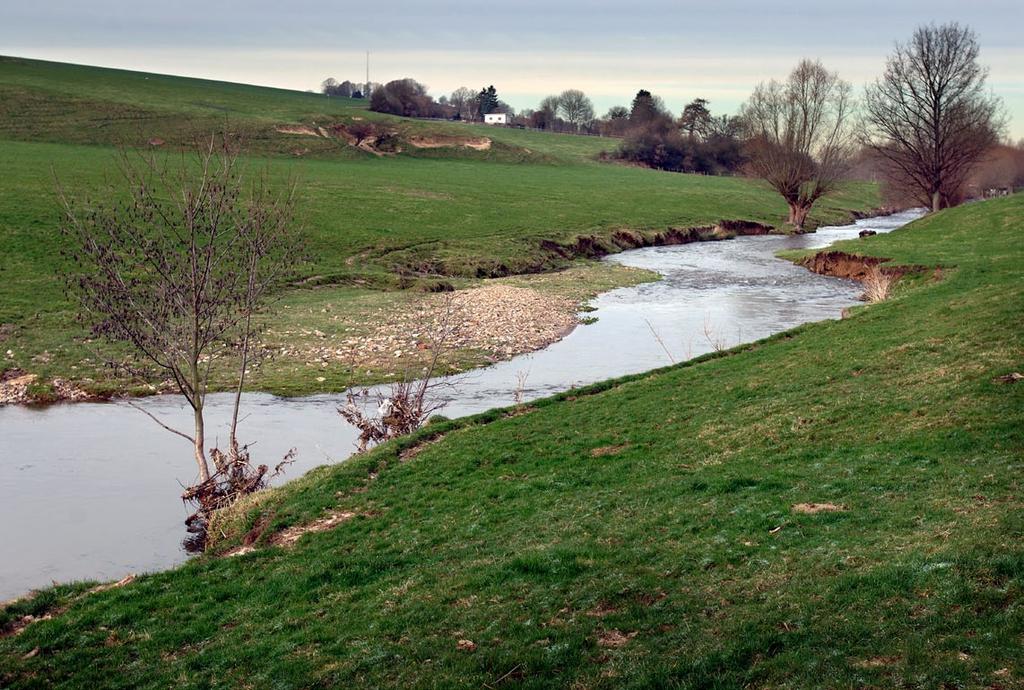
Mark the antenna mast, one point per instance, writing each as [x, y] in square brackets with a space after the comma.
[367, 89]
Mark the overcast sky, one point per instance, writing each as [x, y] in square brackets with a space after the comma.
[680, 50]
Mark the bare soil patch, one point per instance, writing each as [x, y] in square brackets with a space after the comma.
[608, 450]
[297, 129]
[876, 662]
[480, 144]
[289, 536]
[613, 639]
[813, 508]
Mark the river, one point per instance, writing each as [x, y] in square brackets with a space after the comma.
[90, 490]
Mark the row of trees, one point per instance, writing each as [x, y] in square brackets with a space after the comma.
[928, 122]
[409, 98]
[569, 111]
[346, 89]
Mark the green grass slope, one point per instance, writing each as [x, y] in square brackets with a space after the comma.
[642, 533]
[58, 102]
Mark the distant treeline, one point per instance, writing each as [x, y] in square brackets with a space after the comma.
[345, 89]
[696, 141]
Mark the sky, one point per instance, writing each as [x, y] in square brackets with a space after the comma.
[718, 49]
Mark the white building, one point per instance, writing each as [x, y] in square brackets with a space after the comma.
[495, 119]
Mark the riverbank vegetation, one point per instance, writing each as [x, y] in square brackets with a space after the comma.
[836, 506]
[380, 229]
[177, 264]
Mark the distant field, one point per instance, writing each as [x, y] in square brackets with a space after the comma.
[372, 223]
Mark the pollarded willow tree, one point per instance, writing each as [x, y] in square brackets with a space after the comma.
[800, 133]
[929, 118]
[177, 264]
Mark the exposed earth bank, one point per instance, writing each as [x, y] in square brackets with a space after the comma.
[855, 267]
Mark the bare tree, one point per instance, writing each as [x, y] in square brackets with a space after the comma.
[178, 267]
[800, 133]
[546, 115]
[929, 117]
[328, 86]
[463, 99]
[576, 108]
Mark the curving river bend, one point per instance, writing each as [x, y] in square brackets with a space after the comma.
[89, 490]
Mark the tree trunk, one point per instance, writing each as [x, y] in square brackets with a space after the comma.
[232, 434]
[798, 214]
[936, 201]
[200, 439]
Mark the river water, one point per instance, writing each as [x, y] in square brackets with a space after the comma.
[89, 490]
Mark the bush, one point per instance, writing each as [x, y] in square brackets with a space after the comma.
[660, 145]
[406, 97]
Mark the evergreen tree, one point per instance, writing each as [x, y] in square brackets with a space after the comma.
[644, 109]
[696, 119]
[487, 101]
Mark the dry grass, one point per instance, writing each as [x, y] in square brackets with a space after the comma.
[877, 285]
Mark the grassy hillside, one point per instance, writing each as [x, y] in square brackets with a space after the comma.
[837, 506]
[449, 214]
[57, 102]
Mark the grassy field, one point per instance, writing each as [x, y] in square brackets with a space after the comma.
[373, 224]
[63, 103]
[837, 506]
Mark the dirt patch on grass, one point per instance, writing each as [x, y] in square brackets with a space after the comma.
[478, 143]
[608, 450]
[301, 130]
[289, 536]
[613, 639]
[601, 610]
[876, 662]
[814, 508]
[331, 519]
[18, 626]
